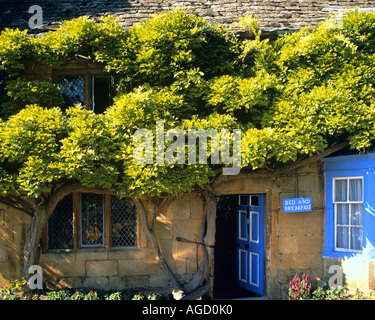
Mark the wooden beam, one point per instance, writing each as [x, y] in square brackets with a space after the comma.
[319, 156]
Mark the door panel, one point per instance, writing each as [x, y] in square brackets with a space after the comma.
[254, 222]
[250, 242]
[254, 269]
[242, 272]
[242, 225]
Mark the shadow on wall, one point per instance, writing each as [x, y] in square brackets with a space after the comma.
[13, 230]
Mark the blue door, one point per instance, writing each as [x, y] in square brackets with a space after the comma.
[250, 242]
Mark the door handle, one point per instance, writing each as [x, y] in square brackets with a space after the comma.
[247, 246]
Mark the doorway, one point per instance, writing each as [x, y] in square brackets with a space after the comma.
[239, 247]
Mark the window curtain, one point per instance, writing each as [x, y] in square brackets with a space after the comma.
[355, 190]
[349, 216]
[341, 189]
[342, 221]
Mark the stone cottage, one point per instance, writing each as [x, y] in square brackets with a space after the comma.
[263, 235]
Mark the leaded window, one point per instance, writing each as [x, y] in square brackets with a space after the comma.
[92, 219]
[98, 220]
[124, 222]
[72, 89]
[60, 231]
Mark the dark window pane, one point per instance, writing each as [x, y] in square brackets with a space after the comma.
[124, 222]
[254, 201]
[72, 89]
[92, 219]
[243, 200]
[101, 96]
[60, 227]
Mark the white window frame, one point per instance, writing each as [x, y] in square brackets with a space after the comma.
[335, 203]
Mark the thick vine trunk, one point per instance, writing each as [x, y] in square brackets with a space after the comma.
[39, 222]
[155, 248]
[200, 283]
[32, 244]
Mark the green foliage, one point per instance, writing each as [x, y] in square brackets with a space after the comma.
[291, 98]
[76, 36]
[77, 295]
[359, 295]
[113, 296]
[22, 93]
[58, 295]
[87, 150]
[30, 141]
[157, 50]
[319, 293]
[335, 293]
[14, 291]
[14, 47]
[246, 99]
[359, 28]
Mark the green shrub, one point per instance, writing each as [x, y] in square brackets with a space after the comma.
[113, 296]
[336, 293]
[14, 291]
[22, 92]
[58, 295]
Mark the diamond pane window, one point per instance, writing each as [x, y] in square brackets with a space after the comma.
[124, 222]
[72, 89]
[92, 219]
[60, 227]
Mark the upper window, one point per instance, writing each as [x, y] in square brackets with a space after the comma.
[72, 89]
[85, 84]
[348, 206]
[102, 220]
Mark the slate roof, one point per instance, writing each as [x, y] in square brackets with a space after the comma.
[273, 14]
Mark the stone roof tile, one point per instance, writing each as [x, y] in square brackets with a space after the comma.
[279, 15]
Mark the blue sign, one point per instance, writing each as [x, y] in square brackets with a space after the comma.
[297, 205]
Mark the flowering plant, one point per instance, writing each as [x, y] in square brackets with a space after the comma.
[139, 296]
[299, 289]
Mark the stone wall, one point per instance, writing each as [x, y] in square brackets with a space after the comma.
[115, 268]
[13, 229]
[294, 241]
[120, 268]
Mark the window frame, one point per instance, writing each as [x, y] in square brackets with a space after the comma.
[349, 225]
[103, 222]
[88, 71]
[354, 165]
[107, 228]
